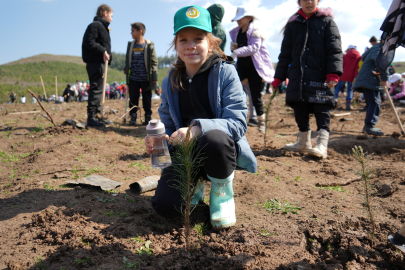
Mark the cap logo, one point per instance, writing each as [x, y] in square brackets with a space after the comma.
[237, 11]
[192, 13]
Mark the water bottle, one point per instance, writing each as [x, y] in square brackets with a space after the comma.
[160, 155]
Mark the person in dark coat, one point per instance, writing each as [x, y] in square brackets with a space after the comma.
[217, 13]
[311, 58]
[350, 70]
[96, 49]
[371, 81]
[67, 92]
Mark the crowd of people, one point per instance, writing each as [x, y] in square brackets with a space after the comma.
[208, 90]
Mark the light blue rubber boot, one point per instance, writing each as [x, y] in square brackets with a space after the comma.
[198, 193]
[222, 204]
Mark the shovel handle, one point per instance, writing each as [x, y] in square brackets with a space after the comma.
[104, 81]
[395, 111]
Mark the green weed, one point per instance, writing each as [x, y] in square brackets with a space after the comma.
[128, 199]
[278, 179]
[48, 187]
[139, 166]
[298, 178]
[264, 232]
[85, 241]
[63, 186]
[136, 239]
[336, 188]
[200, 228]
[83, 261]
[129, 265]
[40, 263]
[145, 249]
[284, 207]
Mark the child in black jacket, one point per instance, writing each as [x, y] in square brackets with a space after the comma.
[311, 58]
[96, 49]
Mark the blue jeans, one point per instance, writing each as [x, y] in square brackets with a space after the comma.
[373, 100]
[339, 87]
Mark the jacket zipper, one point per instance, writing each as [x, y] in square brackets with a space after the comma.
[191, 98]
[302, 53]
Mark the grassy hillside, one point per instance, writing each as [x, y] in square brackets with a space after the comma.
[25, 73]
[49, 58]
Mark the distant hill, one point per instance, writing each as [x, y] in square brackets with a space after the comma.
[25, 73]
[19, 75]
[49, 58]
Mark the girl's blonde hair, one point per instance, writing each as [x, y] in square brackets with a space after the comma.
[179, 66]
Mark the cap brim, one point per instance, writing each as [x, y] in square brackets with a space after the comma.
[237, 18]
[193, 26]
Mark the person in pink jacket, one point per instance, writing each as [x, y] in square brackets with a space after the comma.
[397, 86]
[254, 61]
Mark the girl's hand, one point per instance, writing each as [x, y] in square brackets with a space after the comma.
[149, 145]
[332, 84]
[180, 134]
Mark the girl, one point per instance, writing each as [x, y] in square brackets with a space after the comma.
[397, 90]
[254, 61]
[203, 88]
[310, 55]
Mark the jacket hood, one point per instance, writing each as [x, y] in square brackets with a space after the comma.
[353, 53]
[322, 12]
[211, 61]
[99, 19]
[217, 13]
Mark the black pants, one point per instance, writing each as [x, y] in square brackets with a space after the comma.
[255, 85]
[220, 155]
[134, 93]
[302, 110]
[96, 77]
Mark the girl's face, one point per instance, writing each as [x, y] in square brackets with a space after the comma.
[244, 22]
[308, 6]
[192, 46]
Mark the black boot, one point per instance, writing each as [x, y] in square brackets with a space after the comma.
[92, 121]
[349, 105]
[147, 119]
[133, 119]
[106, 121]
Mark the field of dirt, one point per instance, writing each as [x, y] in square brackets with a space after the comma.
[48, 224]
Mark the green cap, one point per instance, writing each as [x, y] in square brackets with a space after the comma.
[192, 16]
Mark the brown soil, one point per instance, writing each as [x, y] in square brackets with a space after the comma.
[45, 224]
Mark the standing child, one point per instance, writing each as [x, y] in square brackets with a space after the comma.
[141, 71]
[202, 88]
[96, 49]
[254, 61]
[311, 57]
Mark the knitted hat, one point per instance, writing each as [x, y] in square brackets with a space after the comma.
[192, 16]
[373, 39]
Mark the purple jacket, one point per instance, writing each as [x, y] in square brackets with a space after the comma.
[257, 49]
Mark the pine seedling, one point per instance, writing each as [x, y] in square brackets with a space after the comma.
[365, 172]
[186, 163]
[267, 120]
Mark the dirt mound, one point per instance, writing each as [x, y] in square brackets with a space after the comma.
[289, 216]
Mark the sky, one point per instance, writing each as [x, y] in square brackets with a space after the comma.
[31, 27]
